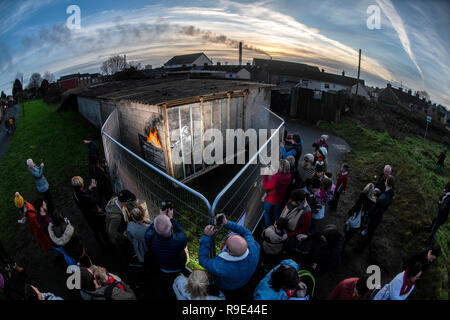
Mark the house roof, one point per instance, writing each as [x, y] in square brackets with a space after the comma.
[77, 75]
[282, 67]
[406, 97]
[225, 68]
[184, 59]
[300, 70]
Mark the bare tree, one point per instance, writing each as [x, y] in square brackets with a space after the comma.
[113, 64]
[50, 77]
[35, 81]
[423, 94]
[134, 64]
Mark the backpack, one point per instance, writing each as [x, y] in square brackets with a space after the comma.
[294, 216]
[107, 294]
[310, 277]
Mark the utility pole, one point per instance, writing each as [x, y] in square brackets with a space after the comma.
[359, 70]
[21, 95]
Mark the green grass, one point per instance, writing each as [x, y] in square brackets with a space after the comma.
[54, 138]
[417, 188]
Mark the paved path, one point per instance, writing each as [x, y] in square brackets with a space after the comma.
[337, 147]
[5, 138]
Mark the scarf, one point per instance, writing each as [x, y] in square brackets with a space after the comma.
[407, 285]
[111, 280]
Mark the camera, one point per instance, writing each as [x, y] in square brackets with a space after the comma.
[166, 205]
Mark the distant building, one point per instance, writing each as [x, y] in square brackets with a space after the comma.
[76, 80]
[209, 71]
[362, 91]
[391, 96]
[290, 74]
[188, 60]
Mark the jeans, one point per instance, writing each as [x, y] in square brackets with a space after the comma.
[270, 211]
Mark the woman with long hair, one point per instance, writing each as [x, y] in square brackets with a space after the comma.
[196, 287]
[359, 211]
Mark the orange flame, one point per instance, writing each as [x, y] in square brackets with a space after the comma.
[153, 138]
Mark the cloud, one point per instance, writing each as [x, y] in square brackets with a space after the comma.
[13, 14]
[5, 57]
[397, 23]
[154, 33]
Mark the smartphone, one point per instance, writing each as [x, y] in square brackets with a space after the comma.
[166, 205]
[219, 219]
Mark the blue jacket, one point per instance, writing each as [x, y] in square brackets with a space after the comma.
[264, 291]
[168, 252]
[38, 175]
[294, 150]
[230, 275]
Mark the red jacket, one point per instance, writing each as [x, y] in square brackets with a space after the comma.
[276, 187]
[344, 291]
[36, 229]
[341, 183]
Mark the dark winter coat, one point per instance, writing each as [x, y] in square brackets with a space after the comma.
[421, 257]
[168, 252]
[87, 203]
[64, 235]
[443, 208]
[363, 203]
[327, 256]
[379, 208]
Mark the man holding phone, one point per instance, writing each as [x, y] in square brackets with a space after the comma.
[233, 268]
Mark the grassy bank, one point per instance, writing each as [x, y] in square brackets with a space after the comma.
[54, 138]
[418, 187]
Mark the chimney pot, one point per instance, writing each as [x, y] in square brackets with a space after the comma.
[343, 73]
[323, 70]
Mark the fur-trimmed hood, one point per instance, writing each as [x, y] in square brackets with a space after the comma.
[64, 238]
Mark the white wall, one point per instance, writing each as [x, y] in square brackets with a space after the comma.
[320, 85]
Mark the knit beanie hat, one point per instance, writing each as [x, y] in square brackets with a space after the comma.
[309, 157]
[18, 200]
[86, 280]
[324, 137]
[323, 151]
[126, 196]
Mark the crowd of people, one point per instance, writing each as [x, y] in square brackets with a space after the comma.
[282, 264]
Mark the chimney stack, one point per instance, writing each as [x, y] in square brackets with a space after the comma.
[343, 73]
[218, 63]
[323, 70]
[240, 53]
[410, 92]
